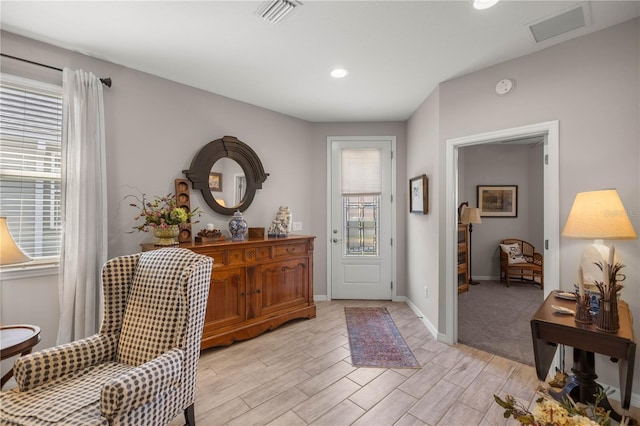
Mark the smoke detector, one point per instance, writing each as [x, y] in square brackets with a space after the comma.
[504, 86]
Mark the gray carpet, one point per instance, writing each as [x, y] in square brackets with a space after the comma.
[496, 319]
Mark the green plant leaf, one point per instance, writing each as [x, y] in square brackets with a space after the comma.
[500, 402]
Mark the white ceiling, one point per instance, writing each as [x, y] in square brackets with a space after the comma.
[396, 51]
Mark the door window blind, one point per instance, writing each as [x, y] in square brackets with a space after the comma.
[30, 164]
[361, 172]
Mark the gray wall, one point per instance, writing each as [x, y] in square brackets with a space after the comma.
[591, 85]
[494, 164]
[424, 232]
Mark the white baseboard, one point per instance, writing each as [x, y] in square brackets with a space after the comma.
[324, 298]
[486, 278]
[423, 318]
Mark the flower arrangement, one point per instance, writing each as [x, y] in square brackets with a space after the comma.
[549, 412]
[161, 212]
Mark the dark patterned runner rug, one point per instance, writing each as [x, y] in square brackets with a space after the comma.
[375, 340]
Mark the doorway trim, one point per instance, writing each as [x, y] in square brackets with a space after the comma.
[551, 172]
[392, 139]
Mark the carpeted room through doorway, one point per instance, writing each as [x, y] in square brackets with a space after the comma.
[496, 318]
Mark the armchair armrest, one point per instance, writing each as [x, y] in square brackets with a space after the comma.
[48, 364]
[142, 384]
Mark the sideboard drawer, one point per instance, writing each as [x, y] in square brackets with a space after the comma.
[263, 253]
[290, 249]
[236, 257]
[218, 257]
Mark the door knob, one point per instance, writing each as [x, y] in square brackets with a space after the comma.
[335, 240]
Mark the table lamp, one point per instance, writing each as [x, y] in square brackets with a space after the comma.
[469, 216]
[598, 215]
[10, 253]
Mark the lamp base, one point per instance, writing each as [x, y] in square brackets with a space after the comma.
[591, 255]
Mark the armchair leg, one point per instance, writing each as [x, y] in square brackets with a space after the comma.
[189, 416]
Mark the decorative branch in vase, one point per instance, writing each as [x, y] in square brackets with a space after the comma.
[608, 319]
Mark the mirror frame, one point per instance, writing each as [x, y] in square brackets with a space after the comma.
[226, 147]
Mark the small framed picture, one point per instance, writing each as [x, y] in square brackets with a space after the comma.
[215, 181]
[418, 194]
[498, 200]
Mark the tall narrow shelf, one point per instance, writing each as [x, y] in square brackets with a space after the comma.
[463, 258]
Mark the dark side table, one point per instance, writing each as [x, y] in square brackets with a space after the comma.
[17, 340]
[548, 329]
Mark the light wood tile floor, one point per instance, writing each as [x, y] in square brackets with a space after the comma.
[301, 374]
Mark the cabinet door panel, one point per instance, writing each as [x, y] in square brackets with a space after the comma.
[282, 285]
[227, 300]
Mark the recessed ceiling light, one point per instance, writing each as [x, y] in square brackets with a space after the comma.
[484, 4]
[339, 73]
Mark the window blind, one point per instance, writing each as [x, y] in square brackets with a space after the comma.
[30, 164]
[361, 172]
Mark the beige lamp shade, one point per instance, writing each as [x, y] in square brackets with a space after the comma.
[598, 215]
[470, 215]
[10, 253]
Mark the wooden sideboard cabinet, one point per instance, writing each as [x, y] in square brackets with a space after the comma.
[256, 285]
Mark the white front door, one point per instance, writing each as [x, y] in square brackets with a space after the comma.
[360, 229]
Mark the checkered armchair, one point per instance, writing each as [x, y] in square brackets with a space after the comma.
[140, 369]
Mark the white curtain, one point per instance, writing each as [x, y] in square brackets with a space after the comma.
[84, 206]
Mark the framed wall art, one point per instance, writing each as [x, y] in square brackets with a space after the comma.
[418, 194]
[498, 200]
[215, 181]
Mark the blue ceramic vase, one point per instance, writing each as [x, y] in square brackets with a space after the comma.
[237, 227]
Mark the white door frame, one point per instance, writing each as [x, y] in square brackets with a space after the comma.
[551, 212]
[330, 140]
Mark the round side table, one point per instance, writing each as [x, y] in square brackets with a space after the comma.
[17, 340]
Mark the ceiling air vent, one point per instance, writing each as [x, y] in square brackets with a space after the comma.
[569, 20]
[275, 10]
